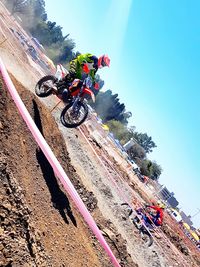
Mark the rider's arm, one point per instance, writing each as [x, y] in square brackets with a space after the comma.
[89, 58]
[155, 208]
[92, 75]
[84, 58]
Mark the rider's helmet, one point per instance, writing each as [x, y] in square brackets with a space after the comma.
[103, 61]
[162, 205]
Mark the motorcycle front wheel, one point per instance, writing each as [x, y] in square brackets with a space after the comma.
[71, 118]
[44, 86]
[146, 237]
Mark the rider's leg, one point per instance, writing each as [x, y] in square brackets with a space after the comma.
[148, 222]
[68, 78]
[156, 222]
[71, 75]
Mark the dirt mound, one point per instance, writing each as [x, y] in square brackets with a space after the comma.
[20, 243]
[117, 243]
[175, 239]
[39, 224]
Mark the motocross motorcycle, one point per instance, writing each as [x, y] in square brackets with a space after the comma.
[75, 111]
[138, 218]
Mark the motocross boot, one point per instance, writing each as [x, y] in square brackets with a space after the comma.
[65, 95]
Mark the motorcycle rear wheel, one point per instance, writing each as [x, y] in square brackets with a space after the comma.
[70, 120]
[42, 89]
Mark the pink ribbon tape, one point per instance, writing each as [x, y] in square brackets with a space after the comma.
[55, 164]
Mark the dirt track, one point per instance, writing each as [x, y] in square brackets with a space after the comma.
[59, 237]
[64, 236]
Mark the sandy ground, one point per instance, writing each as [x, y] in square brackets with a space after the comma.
[89, 175]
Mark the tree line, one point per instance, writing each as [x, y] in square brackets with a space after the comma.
[58, 47]
[112, 112]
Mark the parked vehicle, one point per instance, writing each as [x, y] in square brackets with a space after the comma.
[140, 177]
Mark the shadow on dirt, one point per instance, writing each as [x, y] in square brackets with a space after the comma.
[59, 199]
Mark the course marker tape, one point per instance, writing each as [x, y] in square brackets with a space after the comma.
[55, 163]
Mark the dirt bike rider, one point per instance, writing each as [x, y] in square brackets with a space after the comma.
[84, 64]
[157, 219]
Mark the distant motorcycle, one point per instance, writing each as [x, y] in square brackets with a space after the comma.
[139, 220]
[76, 110]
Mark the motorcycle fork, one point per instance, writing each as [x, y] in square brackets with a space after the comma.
[77, 99]
[76, 106]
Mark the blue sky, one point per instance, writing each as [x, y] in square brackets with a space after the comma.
[155, 65]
